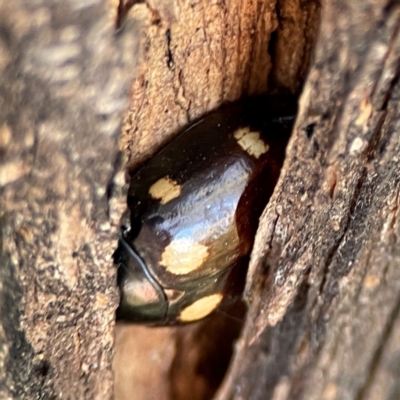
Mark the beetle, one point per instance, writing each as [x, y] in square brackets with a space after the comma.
[194, 210]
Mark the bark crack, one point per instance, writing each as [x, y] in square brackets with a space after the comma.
[170, 57]
[340, 241]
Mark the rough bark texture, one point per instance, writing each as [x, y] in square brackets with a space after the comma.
[64, 78]
[324, 285]
[214, 52]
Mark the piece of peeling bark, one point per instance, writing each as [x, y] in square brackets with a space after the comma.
[64, 79]
[323, 284]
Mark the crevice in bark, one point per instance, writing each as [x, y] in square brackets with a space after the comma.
[170, 58]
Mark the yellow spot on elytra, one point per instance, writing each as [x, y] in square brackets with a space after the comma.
[200, 308]
[250, 142]
[182, 256]
[165, 189]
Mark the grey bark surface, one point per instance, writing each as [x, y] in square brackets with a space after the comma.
[64, 83]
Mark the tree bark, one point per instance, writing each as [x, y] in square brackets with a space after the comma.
[323, 286]
[63, 87]
[326, 245]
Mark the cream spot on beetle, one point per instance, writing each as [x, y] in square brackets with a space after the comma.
[200, 308]
[183, 255]
[165, 189]
[250, 142]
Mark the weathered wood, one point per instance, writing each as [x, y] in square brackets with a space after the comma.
[64, 76]
[214, 52]
[324, 282]
[327, 241]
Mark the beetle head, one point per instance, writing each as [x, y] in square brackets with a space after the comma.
[142, 298]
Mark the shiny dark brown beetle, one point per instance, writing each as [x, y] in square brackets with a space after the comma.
[194, 210]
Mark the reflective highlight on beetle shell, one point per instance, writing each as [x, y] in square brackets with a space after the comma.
[194, 211]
